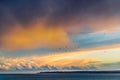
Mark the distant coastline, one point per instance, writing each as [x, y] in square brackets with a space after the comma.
[115, 71]
[63, 72]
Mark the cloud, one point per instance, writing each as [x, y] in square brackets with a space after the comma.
[42, 36]
[59, 61]
[94, 14]
[37, 35]
[82, 60]
[31, 25]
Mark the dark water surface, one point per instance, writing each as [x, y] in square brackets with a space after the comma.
[62, 76]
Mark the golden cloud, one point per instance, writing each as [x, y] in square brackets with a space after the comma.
[60, 60]
[35, 36]
[39, 61]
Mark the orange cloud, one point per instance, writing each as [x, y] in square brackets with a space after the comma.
[35, 36]
[60, 60]
[38, 61]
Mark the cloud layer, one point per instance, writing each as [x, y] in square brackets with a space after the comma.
[38, 36]
[43, 23]
[45, 63]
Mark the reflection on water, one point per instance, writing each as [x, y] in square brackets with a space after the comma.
[63, 76]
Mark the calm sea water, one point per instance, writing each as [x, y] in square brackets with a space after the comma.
[61, 76]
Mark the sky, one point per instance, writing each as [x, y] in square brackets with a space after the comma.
[40, 35]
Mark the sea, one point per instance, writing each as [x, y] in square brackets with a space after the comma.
[62, 76]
